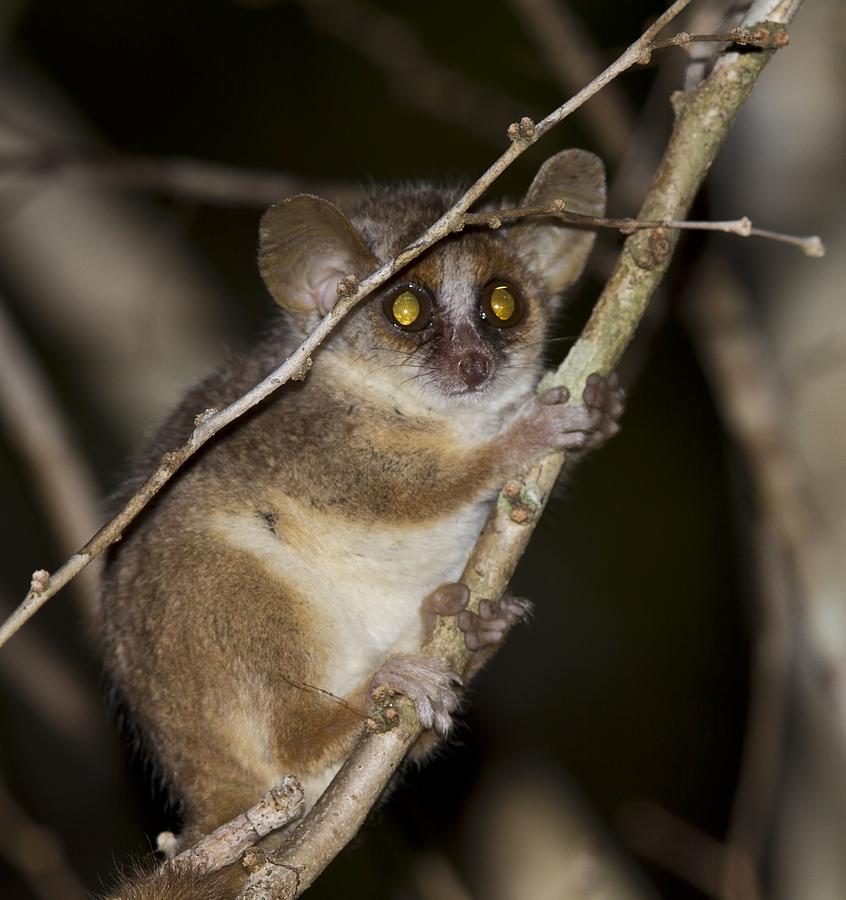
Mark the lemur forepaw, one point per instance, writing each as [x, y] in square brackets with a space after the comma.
[427, 682]
[485, 628]
[585, 425]
[493, 621]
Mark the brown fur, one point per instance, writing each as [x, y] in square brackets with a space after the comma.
[167, 883]
[289, 557]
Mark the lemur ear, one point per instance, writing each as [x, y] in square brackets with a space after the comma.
[306, 246]
[557, 252]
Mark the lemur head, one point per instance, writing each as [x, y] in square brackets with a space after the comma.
[464, 324]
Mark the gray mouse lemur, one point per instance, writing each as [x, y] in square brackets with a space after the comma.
[287, 566]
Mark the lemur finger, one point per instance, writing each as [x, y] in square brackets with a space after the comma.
[478, 640]
[450, 599]
[519, 607]
[487, 609]
[554, 396]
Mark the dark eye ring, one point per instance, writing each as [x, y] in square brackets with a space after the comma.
[408, 308]
[502, 305]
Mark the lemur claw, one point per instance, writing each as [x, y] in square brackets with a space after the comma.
[426, 681]
[493, 621]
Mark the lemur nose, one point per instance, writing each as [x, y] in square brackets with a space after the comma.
[473, 369]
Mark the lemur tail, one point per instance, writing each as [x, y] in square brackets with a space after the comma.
[168, 883]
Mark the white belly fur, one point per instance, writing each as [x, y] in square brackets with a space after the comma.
[364, 584]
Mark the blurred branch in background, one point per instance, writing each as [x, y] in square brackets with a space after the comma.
[53, 690]
[200, 180]
[568, 52]
[668, 841]
[753, 814]
[32, 669]
[36, 426]
[102, 282]
[794, 555]
[535, 839]
[419, 80]
[35, 853]
[734, 868]
[748, 391]
[436, 878]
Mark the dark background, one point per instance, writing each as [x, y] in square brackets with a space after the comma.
[631, 680]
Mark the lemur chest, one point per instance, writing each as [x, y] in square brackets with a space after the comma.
[361, 584]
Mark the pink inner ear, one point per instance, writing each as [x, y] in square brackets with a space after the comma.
[323, 283]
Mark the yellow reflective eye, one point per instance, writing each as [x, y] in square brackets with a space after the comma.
[410, 309]
[503, 304]
[406, 308]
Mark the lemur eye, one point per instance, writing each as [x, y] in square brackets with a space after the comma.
[501, 306]
[410, 309]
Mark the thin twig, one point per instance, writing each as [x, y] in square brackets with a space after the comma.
[522, 134]
[744, 37]
[810, 245]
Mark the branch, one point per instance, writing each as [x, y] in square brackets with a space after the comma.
[763, 38]
[700, 129]
[225, 845]
[522, 135]
[810, 245]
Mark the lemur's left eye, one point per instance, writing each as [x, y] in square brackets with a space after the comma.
[501, 306]
[409, 309]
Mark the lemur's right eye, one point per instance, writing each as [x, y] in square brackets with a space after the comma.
[502, 305]
[409, 308]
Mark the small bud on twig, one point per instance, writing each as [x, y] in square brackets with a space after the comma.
[522, 131]
[204, 416]
[40, 581]
[347, 286]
